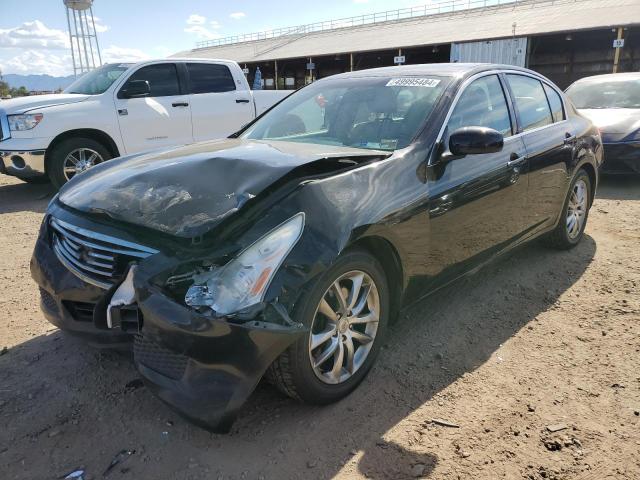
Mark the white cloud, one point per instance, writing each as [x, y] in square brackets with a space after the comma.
[34, 35]
[195, 19]
[215, 24]
[202, 33]
[238, 15]
[100, 27]
[121, 54]
[34, 61]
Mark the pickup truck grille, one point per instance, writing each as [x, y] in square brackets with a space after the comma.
[96, 258]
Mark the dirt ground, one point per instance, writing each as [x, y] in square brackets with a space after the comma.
[540, 340]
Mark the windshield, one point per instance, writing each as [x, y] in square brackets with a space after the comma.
[97, 81]
[381, 113]
[622, 93]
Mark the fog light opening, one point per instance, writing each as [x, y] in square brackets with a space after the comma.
[18, 162]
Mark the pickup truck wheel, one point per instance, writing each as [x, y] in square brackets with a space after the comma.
[346, 312]
[74, 156]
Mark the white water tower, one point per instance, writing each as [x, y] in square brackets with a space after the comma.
[85, 51]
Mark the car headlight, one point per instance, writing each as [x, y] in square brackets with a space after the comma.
[26, 121]
[243, 281]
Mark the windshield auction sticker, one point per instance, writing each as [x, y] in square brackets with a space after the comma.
[413, 82]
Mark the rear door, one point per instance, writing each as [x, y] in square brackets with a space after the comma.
[476, 201]
[218, 107]
[162, 118]
[550, 143]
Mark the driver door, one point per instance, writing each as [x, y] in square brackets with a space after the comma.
[160, 119]
[477, 201]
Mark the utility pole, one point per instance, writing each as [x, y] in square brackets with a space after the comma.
[618, 46]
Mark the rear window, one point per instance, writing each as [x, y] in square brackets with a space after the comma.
[210, 78]
[531, 102]
[555, 102]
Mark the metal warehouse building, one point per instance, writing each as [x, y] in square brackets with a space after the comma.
[562, 39]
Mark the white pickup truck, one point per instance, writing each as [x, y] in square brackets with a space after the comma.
[125, 108]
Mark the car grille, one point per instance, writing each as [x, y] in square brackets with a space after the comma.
[96, 258]
[158, 358]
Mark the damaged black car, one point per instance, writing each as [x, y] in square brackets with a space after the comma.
[287, 250]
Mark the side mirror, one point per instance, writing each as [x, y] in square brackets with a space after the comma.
[136, 89]
[475, 140]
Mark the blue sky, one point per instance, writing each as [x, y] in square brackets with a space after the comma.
[34, 38]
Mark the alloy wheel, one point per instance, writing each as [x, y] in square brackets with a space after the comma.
[344, 327]
[577, 209]
[80, 160]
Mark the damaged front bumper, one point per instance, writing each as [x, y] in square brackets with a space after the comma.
[203, 367]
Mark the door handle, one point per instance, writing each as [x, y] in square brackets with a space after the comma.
[242, 100]
[569, 139]
[180, 104]
[515, 160]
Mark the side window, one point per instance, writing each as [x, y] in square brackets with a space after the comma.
[162, 78]
[531, 101]
[555, 102]
[210, 78]
[482, 104]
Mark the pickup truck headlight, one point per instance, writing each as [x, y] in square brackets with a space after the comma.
[26, 121]
[243, 281]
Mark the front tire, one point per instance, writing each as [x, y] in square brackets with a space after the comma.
[575, 212]
[74, 156]
[347, 312]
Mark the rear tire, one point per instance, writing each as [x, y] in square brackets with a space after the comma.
[575, 212]
[82, 152]
[293, 372]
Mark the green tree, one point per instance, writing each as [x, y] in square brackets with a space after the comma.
[4, 87]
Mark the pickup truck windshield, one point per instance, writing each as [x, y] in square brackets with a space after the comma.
[99, 80]
[623, 93]
[381, 113]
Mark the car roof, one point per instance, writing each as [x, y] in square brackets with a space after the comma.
[439, 69]
[608, 77]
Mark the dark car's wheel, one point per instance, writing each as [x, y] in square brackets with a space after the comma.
[347, 311]
[73, 156]
[575, 211]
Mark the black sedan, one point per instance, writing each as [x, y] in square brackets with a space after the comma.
[288, 249]
[612, 103]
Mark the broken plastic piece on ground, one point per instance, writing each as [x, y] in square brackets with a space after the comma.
[120, 457]
[76, 474]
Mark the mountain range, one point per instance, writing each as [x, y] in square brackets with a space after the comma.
[37, 82]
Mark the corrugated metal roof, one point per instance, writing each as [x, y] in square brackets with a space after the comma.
[531, 18]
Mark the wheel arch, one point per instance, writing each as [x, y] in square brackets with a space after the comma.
[92, 133]
[388, 256]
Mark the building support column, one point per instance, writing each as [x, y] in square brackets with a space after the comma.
[351, 62]
[275, 69]
[616, 58]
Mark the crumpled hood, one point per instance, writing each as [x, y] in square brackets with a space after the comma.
[615, 124]
[24, 104]
[187, 191]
